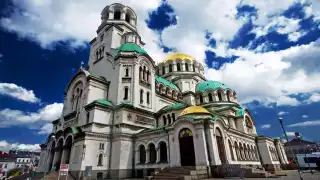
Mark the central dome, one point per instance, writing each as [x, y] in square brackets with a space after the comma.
[194, 110]
[178, 56]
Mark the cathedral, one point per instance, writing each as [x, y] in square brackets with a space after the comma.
[124, 116]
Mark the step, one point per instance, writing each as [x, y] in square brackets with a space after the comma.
[164, 177]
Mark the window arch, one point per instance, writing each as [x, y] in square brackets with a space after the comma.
[142, 153]
[169, 119]
[186, 66]
[100, 160]
[140, 72]
[148, 97]
[127, 72]
[117, 15]
[152, 153]
[144, 73]
[76, 97]
[237, 151]
[163, 152]
[173, 117]
[193, 68]
[170, 67]
[220, 96]
[164, 120]
[141, 96]
[126, 93]
[210, 97]
[163, 70]
[231, 150]
[178, 67]
[148, 74]
[128, 17]
[228, 96]
[201, 98]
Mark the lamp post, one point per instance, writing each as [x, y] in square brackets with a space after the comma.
[294, 157]
[46, 159]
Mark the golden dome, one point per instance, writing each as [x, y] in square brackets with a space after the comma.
[176, 56]
[194, 110]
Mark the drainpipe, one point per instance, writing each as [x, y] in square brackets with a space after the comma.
[110, 143]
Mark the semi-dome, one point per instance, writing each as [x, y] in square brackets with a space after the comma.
[194, 110]
[178, 56]
[212, 85]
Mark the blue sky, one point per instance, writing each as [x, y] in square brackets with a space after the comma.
[267, 51]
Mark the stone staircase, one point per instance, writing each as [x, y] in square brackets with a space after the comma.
[180, 173]
[55, 175]
[243, 171]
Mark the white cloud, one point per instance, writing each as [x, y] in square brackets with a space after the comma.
[266, 126]
[34, 120]
[305, 116]
[306, 123]
[46, 129]
[282, 113]
[18, 92]
[270, 78]
[315, 97]
[4, 145]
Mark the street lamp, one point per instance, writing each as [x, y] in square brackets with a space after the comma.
[294, 158]
[46, 158]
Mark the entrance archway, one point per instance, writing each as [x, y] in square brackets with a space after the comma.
[221, 147]
[67, 150]
[187, 154]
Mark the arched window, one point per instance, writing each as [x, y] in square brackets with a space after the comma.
[144, 73]
[100, 160]
[140, 72]
[141, 96]
[219, 95]
[228, 96]
[163, 70]
[127, 17]
[117, 15]
[148, 97]
[170, 67]
[88, 117]
[210, 97]
[241, 151]
[178, 67]
[169, 119]
[231, 150]
[237, 151]
[201, 99]
[173, 117]
[164, 120]
[148, 74]
[127, 72]
[152, 153]
[163, 152]
[249, 125]
[142, 153]
[193, 68]
[186, 66]
[126, 93]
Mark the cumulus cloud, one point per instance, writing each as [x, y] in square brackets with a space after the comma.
[266, 126]
[306, 123]
[34, 120]
[46, 129]
[315, 97]
[282, 113]
[290, 134]
[305, 116]
[18, 92]
[270, 78]
[4, 145]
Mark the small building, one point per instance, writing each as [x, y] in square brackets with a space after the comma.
[300, 146]
[7, 163]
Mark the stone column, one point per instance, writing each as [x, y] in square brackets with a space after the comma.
[111, 14]
[137, 154]
[200, 146]
[234, 151]
[148, 156]
[158, 154]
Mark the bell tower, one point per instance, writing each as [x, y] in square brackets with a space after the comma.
[118, 26]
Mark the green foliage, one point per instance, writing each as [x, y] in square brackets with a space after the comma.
[14, 172]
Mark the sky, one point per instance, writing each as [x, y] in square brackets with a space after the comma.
[267, 51]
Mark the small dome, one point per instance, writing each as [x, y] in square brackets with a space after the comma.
[177, 56]
[213, 85]
[194, 110]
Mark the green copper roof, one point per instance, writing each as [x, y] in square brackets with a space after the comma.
[129, 47]
[276, 138]
[240, 112]
[166, 82]
[104, 102]
[173, 106]
[213, 85]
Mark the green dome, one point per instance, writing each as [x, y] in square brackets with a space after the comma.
[130, 47]
[213, 85]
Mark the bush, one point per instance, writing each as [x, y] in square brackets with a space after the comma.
[14, 172]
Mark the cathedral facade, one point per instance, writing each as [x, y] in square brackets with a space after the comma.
[125, 116]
